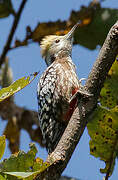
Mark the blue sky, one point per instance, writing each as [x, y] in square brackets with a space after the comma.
[27, 60]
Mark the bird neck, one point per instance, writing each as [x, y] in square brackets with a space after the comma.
[59, 55]
[63, 54]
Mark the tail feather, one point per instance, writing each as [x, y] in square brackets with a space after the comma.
[53, 135]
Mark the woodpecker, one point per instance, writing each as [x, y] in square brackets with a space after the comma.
[56, 87]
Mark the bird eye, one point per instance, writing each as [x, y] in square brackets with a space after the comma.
[57, 40]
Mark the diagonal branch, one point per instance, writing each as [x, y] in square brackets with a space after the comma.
[78, 121]
[11, 34]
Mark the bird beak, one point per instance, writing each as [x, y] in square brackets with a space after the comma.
[71, 32]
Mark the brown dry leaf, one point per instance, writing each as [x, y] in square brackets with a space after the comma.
[19, 43]
[12, 133]
[86, 21]
[96, 22]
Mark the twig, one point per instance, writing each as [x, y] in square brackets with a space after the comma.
[11, 34]
[77, 123]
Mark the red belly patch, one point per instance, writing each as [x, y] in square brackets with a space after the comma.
[72, 106]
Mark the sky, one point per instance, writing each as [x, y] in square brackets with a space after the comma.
[27, 60]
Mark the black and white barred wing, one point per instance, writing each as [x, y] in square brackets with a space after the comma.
[49, 109]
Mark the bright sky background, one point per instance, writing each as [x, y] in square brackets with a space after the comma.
[27, 60]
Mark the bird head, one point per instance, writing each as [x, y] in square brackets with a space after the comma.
[52, 46]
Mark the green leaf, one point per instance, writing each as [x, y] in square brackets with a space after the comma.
[2, 145]
[16, 86]
[2, 178]
[5, 8]
[20, 162]
[23, 165]
[103, 130]
[39, 165]
[22, 175]
[25, 175]
[109, 93]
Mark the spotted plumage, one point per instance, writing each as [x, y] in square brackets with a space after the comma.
[56, 87]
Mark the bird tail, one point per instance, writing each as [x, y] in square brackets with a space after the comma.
[52, 133]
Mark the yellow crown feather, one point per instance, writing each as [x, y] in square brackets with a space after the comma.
[46, 43]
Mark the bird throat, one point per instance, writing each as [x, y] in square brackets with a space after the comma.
[60, 55]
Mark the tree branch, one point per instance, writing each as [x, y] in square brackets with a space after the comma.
[11, 34]
[78, 121]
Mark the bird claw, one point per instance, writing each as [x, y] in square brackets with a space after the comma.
[82, 79]
[82, 93]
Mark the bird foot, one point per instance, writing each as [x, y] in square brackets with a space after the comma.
[82, 79]
[81, 93]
